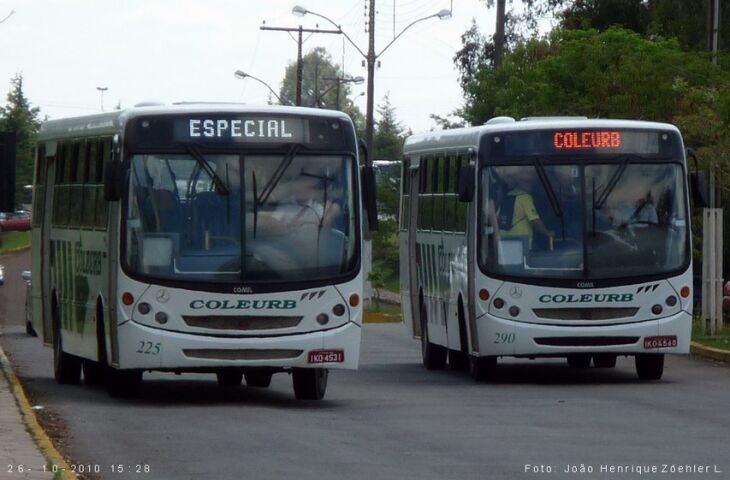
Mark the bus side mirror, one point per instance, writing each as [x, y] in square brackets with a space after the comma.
[369, 196]
[465, 183]
[699, 188]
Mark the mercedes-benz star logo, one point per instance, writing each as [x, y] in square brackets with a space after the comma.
[163, 295]
[515, 292]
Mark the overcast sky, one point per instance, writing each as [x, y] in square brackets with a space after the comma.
[187, 50]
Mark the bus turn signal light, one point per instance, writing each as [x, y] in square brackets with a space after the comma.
[127, 299]
[483, 294]
[354, 300]
[684, 292]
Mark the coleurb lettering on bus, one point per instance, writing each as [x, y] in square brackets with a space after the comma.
[587, 297]
[239, 128]
[243, 304]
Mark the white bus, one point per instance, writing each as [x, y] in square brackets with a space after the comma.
[547, 237]
[212, 238]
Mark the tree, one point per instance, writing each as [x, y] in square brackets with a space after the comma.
[389, 133]
[20, 117]
[320, 85]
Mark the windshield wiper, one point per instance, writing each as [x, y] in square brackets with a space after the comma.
[548, 187]
[276, 177]
[612, 184]
[192, 149]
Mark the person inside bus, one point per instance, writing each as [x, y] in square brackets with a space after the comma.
[516, 215]
[304, 206]
[641, 211]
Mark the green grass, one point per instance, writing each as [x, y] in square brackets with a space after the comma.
[13, 240]
[721, 340]
[391, 276]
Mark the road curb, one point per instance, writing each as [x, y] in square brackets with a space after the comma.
[14, 250]
[376, 317]
[709, 353]
[37, 433]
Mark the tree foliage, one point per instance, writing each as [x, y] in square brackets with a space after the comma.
[20, 117]
[389, 133]
[612, 74]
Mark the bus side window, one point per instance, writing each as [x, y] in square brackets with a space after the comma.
[104, 152]
[460, 209]
[76, 189]
[39, 188]
[405, 193]
[90, 184]
[424, 219]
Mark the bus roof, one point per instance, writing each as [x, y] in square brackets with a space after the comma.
[468, 137]
[113, 122]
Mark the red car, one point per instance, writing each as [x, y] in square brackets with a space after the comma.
[19, 221]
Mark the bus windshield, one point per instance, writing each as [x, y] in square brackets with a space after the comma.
[583, 221]
[232, 218]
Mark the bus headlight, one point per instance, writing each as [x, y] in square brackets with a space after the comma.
[144, 308]
[514, 310]
[161, 318]
[656, 309]
[323, 318]
[339, 310]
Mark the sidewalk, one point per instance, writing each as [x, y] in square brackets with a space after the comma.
[20, 455]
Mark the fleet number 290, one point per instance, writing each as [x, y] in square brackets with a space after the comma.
[500, 338]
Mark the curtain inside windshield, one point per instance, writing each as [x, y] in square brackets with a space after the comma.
[279, 218]
[583, 222]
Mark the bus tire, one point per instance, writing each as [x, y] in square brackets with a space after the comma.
[482, 368]
[579, 360]
[29, 330]
[229, 378]
[604, 360]
[649, 366]
[66, 367]
[258, 377]
[124, 383]
[458, 361]
[309, 383]
[432, 355]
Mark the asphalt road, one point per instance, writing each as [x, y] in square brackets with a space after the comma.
[392, 419]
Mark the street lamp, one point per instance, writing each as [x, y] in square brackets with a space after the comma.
[338, 81]
[370, 57]
[241, 75]
[102, 90]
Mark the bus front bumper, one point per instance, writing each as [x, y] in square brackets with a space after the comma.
[502, 337]
[142, 347]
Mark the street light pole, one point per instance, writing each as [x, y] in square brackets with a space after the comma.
[239, 74]
[370, 58]
[102, 90]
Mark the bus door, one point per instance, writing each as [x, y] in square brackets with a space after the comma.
[44, 256]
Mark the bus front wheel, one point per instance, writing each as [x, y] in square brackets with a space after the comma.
[66, 367]
[650, 366]
[309, 383]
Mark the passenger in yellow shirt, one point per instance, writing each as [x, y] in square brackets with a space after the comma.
[524, 219]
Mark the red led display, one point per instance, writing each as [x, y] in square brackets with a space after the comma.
[601, 140]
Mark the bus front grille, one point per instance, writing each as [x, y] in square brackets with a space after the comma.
[585, 341]
[241, 322]
[584, 313]
[241, 354]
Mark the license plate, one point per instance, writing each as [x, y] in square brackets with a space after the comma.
[327, 356]
[666, 341]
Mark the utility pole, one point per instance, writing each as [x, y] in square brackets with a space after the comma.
[499, 34]
[715, 30]
[300, 63]
[370, 58]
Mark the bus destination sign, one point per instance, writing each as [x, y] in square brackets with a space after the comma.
[236, 129]
[584, 142]
[248, 129]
